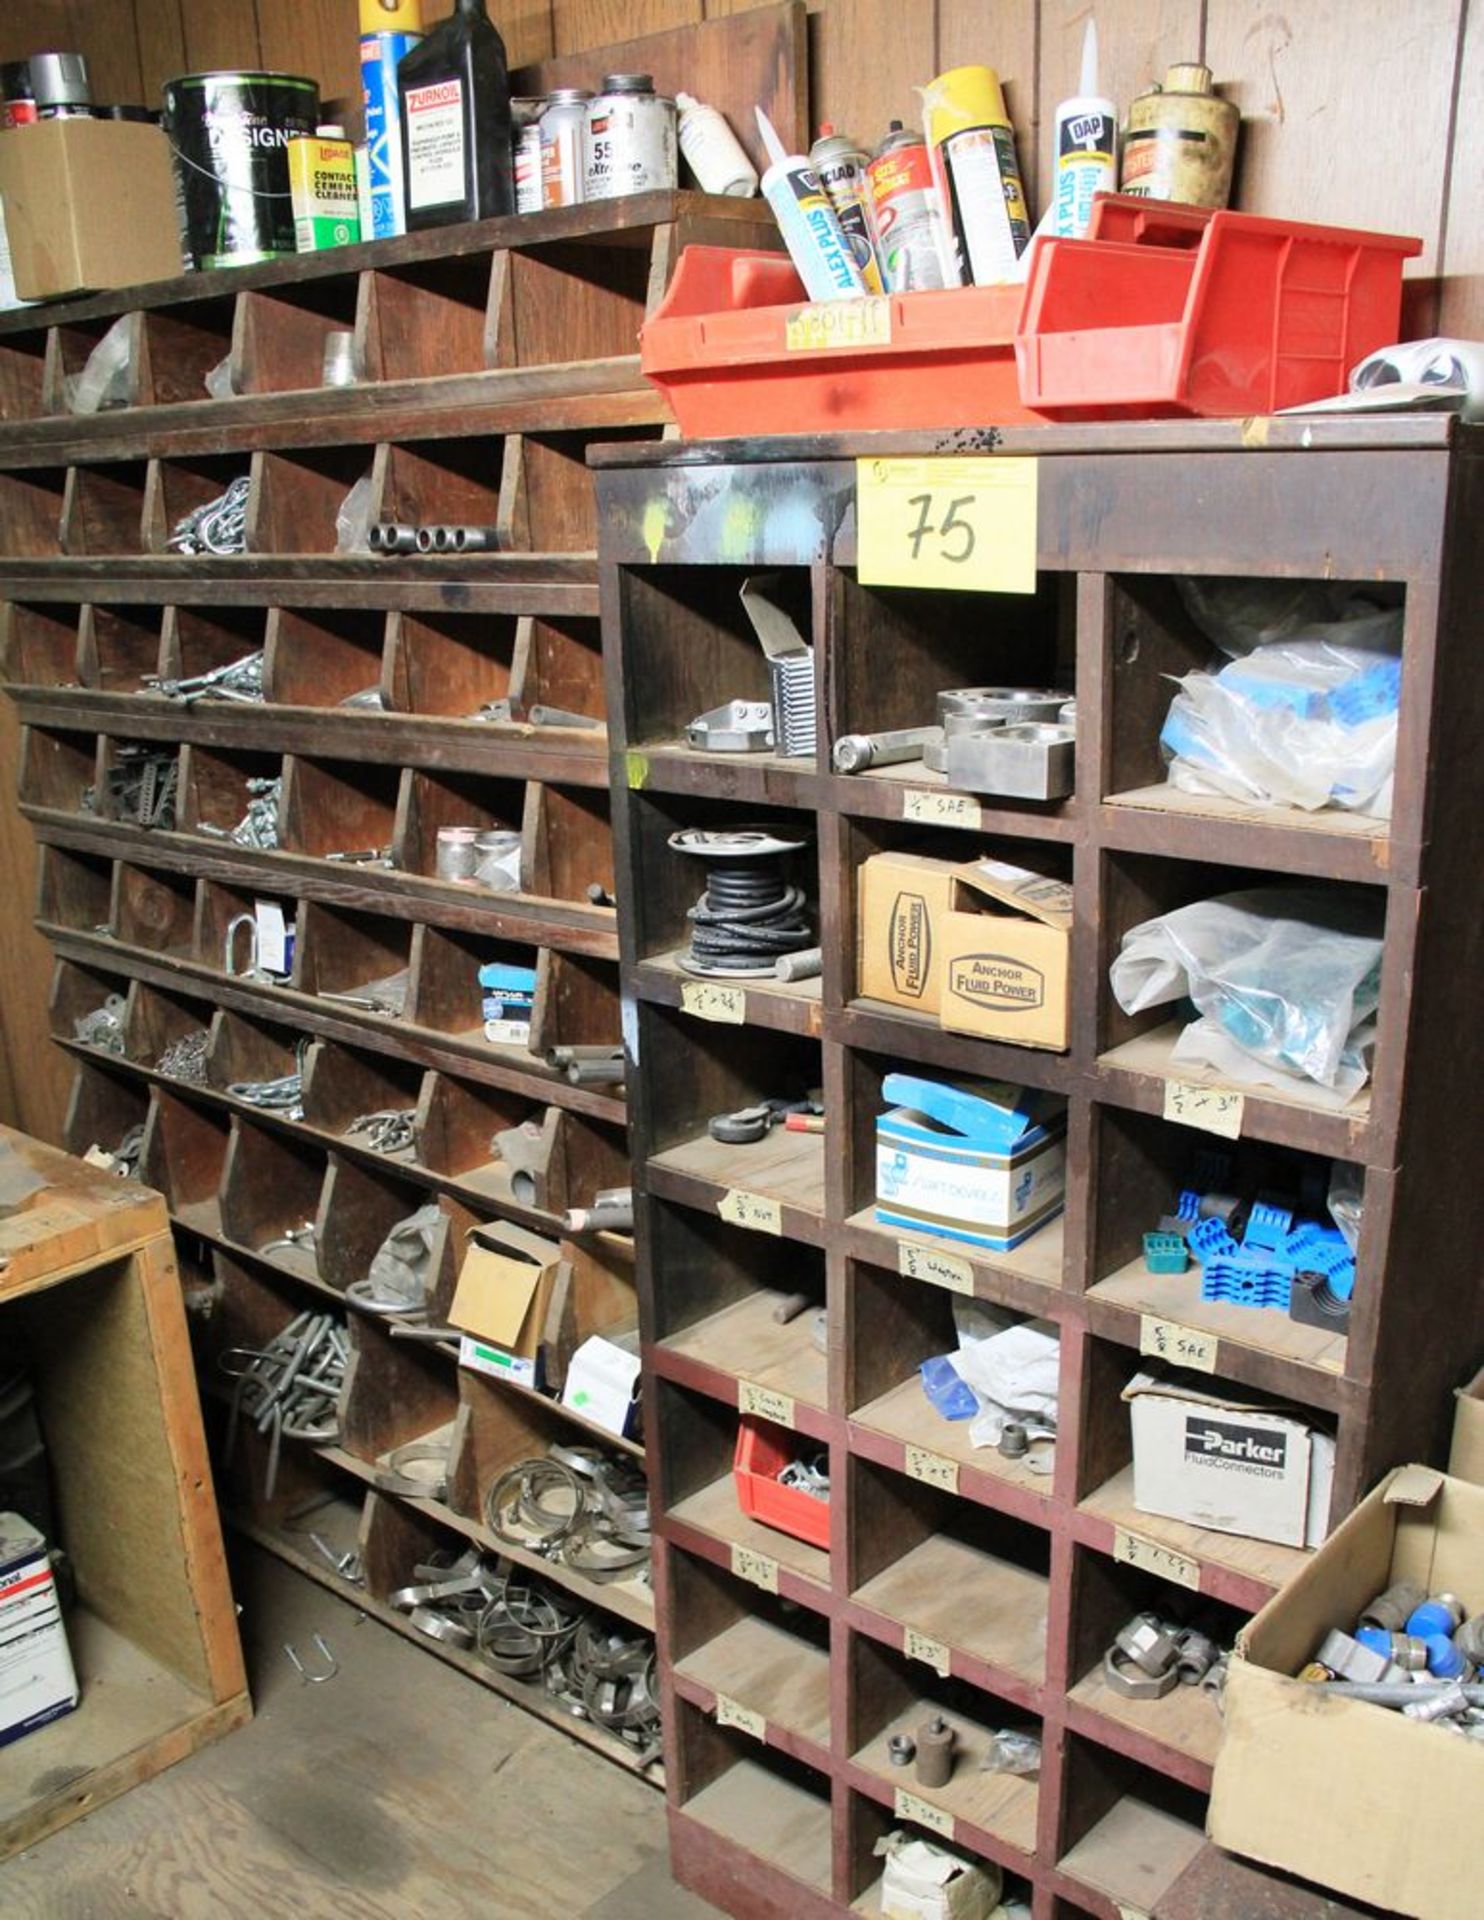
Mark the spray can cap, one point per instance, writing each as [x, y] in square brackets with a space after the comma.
[962, 97]
[60, 79]
[826, 129]
[391, 16]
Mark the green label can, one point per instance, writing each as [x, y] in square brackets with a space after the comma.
[229, 135]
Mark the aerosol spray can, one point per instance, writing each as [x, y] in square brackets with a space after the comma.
[841, 167]
[1085, 148]
[525, 127]
[389, 28]
[910, 238]
[816, 245]
[630, 139]
[712, 151]
[1181, 141]
[59, 85]
[563, 146]
[972, 146]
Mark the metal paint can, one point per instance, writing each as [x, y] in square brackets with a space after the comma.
[630, 139]
[229, 135]
[841, 168]
[1181, 141]
[563, 126]
[525, 127]
[909, 220]
[972, 146]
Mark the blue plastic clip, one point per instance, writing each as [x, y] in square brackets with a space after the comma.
[1211, 1241]
[1267, 1226]
[1165, 1253]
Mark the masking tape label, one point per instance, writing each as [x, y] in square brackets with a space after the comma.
[941, 809]
[1212, 1109]
[708, 1001]
[765, 1402]
[909, 1806]
[753, 1210]
[932, 1653]
[732, 1713]
[1135, 1551]
[1184, 1346]
[933, 1469]
[755, 1568]
[839, 323]
[939, 1269]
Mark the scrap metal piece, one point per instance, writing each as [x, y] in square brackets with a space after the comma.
[332, 1665]
[741, 726]
[1034, 761]
[854, 752]
[1130, 1681]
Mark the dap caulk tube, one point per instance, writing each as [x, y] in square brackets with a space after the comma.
[809, 225]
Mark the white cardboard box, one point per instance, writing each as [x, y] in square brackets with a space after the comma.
[1235, 1466]
[37, 1680]
[602, 1380]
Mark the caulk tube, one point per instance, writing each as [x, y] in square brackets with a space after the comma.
[389, 28]
[842, 173]
[811, 231]
[1085, 148]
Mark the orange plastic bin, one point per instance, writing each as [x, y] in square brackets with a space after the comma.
[763, 1451]
[1179, 310]
[737, 349]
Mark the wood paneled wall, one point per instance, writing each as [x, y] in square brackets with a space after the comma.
[1362, 112]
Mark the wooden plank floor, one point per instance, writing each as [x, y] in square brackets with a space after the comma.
[395, 1790]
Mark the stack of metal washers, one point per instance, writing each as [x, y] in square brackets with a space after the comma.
[588, 1509]
[291, 1387]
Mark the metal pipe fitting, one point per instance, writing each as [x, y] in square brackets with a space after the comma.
[425, 537]
[475, 539]
[854, 752]
[392, 536]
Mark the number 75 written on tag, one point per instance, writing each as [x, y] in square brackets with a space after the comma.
[967, 523]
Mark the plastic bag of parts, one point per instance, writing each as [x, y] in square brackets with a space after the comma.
[1346, 1200]
[353, 521]
[1012, 1367]
[218, 381]
[1286, 980]
[104, 381]
[951, 1395]
[399, 1268]
[1011, 1752]
[1304, 713]
[922, 1878]
[498, 862]
[1427, 368]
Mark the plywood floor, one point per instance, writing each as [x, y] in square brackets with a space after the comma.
[398, 1791]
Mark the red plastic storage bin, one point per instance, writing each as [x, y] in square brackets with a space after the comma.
[1177, 310]
[763, 1451]
[734, 348]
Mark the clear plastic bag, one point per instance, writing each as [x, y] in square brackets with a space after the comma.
[1239, 615]
[104, 381]
[353, 521]
[1284, 977]
[1346, 1200]
[1014, 1376]
[1011, 1752]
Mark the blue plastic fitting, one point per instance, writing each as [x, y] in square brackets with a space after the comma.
[1443, 1658]
[1431, 1619]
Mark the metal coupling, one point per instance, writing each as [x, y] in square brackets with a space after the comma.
[1151, 1647]
[1123, 1677]
[392, 536]
[901, 1749]
[1197, 1654]
[854, 752]
[1469, 1639]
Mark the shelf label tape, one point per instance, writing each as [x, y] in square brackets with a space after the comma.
[1185, 1346]
[967, 522]
[708, 1000]
[933, 1469]
[732, 1713]
[1135, 1551]
[910, 1806]
[932, 1653]
[766, 1402]
[754, 1210]
[1212, 1109]
[941, 808]
[839, 323]
[755, 1568]
[1131, 1913]
[939, 1269]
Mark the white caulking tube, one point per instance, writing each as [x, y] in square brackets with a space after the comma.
[1085, 148]
[809, 224]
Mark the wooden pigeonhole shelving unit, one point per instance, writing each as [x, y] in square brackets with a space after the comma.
[954, 1577]
[491, 356]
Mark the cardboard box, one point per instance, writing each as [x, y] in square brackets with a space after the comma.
[88, 204]
[925, 1882]
[983, 945]
[1235, 1466]
[980, 1161]
[501, 1300]
[603, 1381]
[1466, 1461]
[37, 1681]
[1354, 1796]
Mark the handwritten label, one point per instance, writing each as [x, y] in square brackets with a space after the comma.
[754, 1210]
[1135, 1551]
[636, 770]
[938, 1269]
[968, 523]
[732, 1713]
[1184, 1346]
[933, 1469]
[1212, 1109]
[765, 1402]
[932, 1653]
[1131, 1913]
[909, 1806]
[941, 808]
[708, 1001]
[755, 1568]
[839, 323]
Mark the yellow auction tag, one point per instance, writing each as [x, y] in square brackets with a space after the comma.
[966, 522]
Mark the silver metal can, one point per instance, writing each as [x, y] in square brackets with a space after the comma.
[525, 142]
[563, 125]
[631, 145]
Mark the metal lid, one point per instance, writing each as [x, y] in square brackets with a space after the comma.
[567, 96]
[628, 83]
[60, 79]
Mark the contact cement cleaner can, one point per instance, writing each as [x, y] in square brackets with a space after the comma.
[910, 235]
[841, 168]
[972, 146]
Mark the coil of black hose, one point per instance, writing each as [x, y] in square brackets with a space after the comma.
[748, 915]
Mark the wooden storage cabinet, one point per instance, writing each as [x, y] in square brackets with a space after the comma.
[953, 1576]
[399, 696]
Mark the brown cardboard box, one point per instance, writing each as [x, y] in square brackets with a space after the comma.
[88, 204]
[501, 1300]
[1354, 1796]
[1466, 1461]
[903, 900]
[1006, 961]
